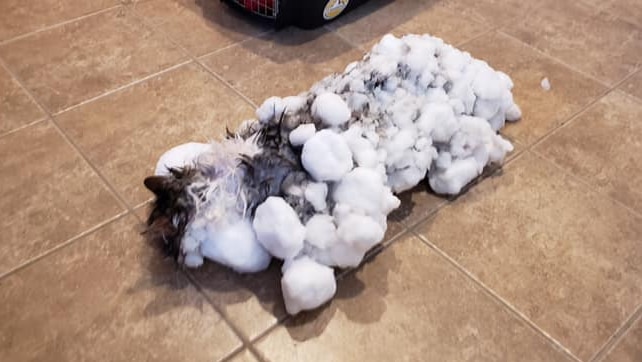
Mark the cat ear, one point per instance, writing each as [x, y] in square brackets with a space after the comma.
[155, 184]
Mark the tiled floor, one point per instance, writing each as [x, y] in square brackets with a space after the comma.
[542, 261]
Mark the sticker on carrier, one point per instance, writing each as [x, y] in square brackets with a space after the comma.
[312, 180]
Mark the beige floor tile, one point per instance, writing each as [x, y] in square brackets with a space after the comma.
[66, 65]
[108, 296]
[603, 146]
[633, 86]
[493, 13]
[125, 133]
[564, 256]
[594, 42]
[284, 63]
[407, 304]
[16, 108]
[48, 194]
[629, 349]
[18, 17]
[367, 24]
[628, 10]
[199, 26]
[542, 110]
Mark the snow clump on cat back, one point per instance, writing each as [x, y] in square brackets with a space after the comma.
[414, 108]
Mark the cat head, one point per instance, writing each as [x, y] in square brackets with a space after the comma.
[172, 209]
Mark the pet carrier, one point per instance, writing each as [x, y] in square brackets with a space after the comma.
[302, 13]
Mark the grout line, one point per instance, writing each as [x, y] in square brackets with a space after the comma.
[559, 61]
[223, 314]
[20, 128]
[66, 243]
[31, 97]
[618, 336]
[226, 83]
[235, 352]
[122, 87]
[75, 147]
[240, 350]
[491, 293]
[57, 25]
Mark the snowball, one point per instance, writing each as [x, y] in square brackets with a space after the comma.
[364, 153]
[437, 120]
[278, 228]
[307, 285]
[360, 232]
[326, 156]
[331, 109]
[321, 231]
[363, 189]
[293, 104]
[270, 110]
[316, 193]
[180, 156]
[450, 181]
[488, 84]
[343, 255]
[236, 246]
[302, 134]
[546, 84]
[406, 179]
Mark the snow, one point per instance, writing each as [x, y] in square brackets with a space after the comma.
[364, 190]
[316, 194]
[320, 231]
[179, 156]
[270, 110]
[300, 135]
[237, 247]
[546, 84]
[326, 156]
[414, 109]
[278, 228]
[307, 285]
[330, 109]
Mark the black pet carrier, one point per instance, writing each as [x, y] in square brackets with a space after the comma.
[305, 14]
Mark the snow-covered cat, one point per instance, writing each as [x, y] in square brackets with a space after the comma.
[312, 180]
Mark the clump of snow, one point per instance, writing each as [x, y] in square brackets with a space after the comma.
[326, 156]
[278, 228]
[270, 110]
[413, 109]
[330, 109]
[179, 156]
[302, 134]
[546, 84]
[235, 246]
[307, 285]
[316, 194]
